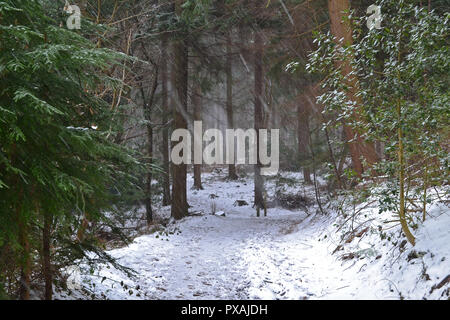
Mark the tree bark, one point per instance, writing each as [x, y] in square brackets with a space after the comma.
[401, 161]
[46, 257]
[148, 105]
[258, 118]
[197, 105]
[148, 191]
[165, 112]
[229, 107]
[342, 30]
[165, 129]
[180, 78]
[303, 139]
[25, 272]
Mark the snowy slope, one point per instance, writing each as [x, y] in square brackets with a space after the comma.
[287, 255]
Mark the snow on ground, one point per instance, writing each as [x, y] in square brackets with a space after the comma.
[286, 255]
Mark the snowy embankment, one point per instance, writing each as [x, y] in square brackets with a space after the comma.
[290, 254]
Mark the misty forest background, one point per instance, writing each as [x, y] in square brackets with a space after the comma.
[86, 115]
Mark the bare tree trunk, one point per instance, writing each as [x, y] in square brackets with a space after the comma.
[180, 78]
[425, 186]
[337, 172]
[148, 105]
[25, 272]
[148, 191]
[313, 106]
[316, 186]
[46, 266]
[229, 72]
[165, 129]
[303, 139]
[25, 263]
[258, 116]
[342, 30]
[197, 104]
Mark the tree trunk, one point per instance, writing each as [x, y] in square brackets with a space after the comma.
[303, 140]
[148, 105]
[147, 109]
[258, 118]
[25, 263]
[197, 105]
[425, 186]
[150, 147]
[46, 257]
[401, 161]
[180, 78]
[148, 191]
[165, 129]
[25, 272]
[229, 73]
[342, 30]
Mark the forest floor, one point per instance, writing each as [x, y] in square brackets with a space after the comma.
[223, 251]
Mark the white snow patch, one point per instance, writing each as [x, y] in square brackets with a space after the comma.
[286, 255]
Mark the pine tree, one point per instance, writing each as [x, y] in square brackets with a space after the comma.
[403, 83]
[180, 84]
[56, 162]
[360, 150]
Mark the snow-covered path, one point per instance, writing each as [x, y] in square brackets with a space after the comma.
[238, 256]
[209, 259]
[286, 255]
[210, 256]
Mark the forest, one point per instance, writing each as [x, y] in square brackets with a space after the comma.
[224, 149]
